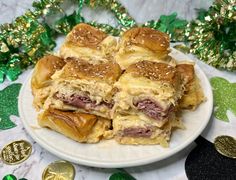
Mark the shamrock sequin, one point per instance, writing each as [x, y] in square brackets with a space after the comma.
[224, 97]
[8, 105]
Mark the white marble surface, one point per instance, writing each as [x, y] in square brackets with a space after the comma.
[171, 168]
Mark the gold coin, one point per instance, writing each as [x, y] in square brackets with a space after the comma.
[226, 145]
[59, 170]
[16, 152]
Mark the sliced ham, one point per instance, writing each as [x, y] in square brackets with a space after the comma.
[137, 132]
[152, 109]
[83, 102]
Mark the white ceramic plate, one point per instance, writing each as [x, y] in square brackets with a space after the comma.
[109, 154]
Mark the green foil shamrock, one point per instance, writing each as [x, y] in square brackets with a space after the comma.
[224, 97]
[8, 105]
[171, 25]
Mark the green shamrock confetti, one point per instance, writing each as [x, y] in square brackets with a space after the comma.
[224, 97]
[8, 105]
[171, 25]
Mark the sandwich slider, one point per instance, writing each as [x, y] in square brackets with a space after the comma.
[150, 90]
[142, 43]
[88, 43]
[85, 87]
[41, 80]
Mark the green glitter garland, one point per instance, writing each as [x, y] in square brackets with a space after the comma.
[46, 7]
[213, 35]
[106, 28]
[21, 43]
[66, 23]
[224, 97]
[8, 105]
[119, 11]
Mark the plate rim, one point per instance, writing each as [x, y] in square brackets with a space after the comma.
[104, 164]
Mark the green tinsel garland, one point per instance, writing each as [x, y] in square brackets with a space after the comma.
[212, 36]
[119, 11]
[22, 43]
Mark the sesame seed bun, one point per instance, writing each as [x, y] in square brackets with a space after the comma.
[147, 38]
[153, 71]
[84, 35]
[108, 72]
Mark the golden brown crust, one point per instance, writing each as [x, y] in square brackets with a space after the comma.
[44, 69]
[193, 96]
[153, 71]
[109, 72]
[84, 35]
[75, 125]
[80, 127]
[186, 71]
[147, 38]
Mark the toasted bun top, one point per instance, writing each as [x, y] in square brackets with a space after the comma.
[109, 71]
[153, 71]
[44, 69]
[84, 35]
[186, 71]
[148, 38]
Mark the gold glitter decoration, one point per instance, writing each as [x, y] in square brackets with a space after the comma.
[226, 145]
[212, 35]
[16, 152]
[62, 170]
[117, 8]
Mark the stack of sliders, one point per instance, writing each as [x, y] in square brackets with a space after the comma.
[78, 98]
[103, 87]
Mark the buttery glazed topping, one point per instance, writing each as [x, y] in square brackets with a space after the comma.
[46, 67]
[149, 38]
[186, 71]
[153, 71]
[83, 69]
[53, 62]
[86, 36]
